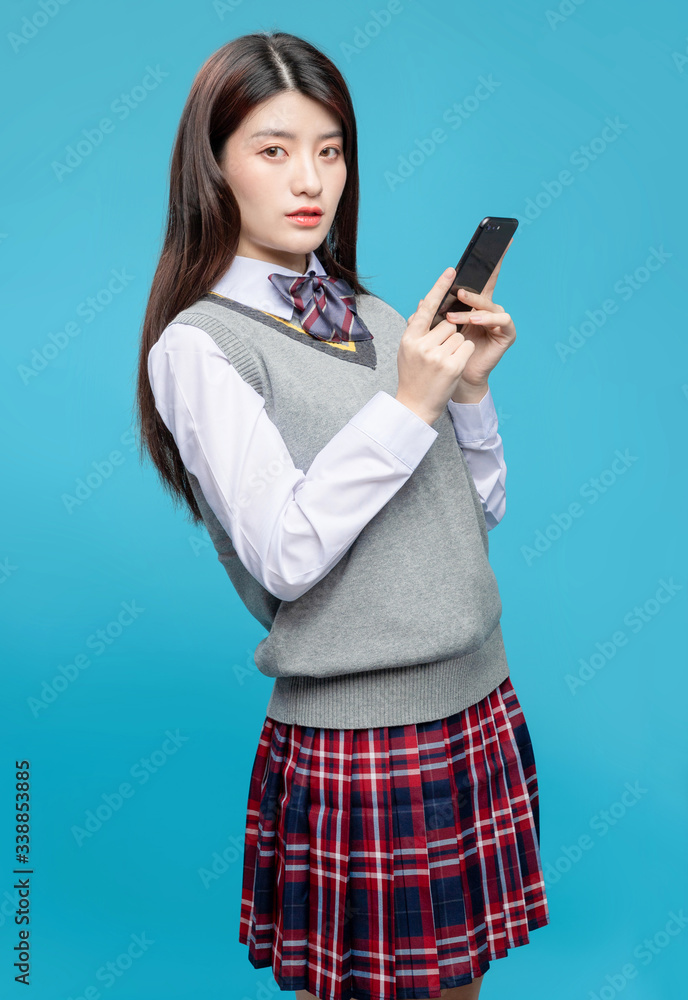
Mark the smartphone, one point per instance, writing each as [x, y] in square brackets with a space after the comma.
[479, 260]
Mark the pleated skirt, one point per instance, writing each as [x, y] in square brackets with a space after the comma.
[392, 863]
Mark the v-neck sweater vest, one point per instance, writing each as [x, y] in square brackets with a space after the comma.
[405, 627]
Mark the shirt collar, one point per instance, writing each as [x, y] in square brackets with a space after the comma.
[246, 281]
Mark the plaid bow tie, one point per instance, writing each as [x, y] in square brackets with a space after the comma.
[326, 306]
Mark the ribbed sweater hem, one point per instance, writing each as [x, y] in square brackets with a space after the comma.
[392, 696]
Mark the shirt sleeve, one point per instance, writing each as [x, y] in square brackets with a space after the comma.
[475, 426]
[288, 528]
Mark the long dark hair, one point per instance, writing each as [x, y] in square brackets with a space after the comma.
[203, 219]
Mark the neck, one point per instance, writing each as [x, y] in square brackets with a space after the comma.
[293, 261]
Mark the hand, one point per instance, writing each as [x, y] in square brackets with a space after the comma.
[491, 330]
[430, 361]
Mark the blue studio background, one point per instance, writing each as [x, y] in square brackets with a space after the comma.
[580, 133]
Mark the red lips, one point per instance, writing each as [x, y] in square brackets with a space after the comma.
[307, 210]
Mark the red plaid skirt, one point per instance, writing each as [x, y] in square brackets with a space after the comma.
[392, 863]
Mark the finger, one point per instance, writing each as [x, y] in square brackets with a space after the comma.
[458, 316]
[465, 348]
[490, 319]
[428, 306]
[478, 301]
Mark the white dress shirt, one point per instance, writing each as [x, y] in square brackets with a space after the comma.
[289, 528]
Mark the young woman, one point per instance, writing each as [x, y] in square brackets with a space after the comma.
[392, 826]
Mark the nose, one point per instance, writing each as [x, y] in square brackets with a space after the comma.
[306, 177]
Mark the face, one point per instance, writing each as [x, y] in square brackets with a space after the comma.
[296, 161]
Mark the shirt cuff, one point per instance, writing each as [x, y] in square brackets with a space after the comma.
[396, 427]
[474, 423]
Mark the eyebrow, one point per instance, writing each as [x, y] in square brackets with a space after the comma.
[290, 135]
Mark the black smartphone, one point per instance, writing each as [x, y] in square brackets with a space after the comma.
[479, 260]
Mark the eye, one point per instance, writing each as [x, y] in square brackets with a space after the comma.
[335, 150]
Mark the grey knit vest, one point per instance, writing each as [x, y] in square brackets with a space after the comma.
[405, 627]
